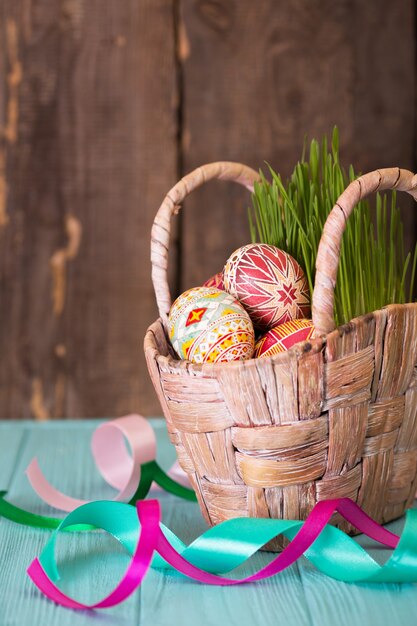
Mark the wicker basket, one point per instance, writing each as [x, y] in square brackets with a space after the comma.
[332, 417]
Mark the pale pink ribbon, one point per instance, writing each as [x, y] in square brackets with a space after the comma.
[119, 468]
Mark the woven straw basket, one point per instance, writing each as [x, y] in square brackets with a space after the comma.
[330, 418]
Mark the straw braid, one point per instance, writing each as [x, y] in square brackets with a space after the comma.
[224, 170]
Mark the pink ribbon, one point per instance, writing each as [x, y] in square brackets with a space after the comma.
[118, 467]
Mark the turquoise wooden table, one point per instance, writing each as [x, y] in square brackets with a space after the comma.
[300, 596]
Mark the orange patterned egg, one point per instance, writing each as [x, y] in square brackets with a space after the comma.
[283, 337]
[269, 283]
[207, 325]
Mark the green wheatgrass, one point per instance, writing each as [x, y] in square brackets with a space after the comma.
[374, 269]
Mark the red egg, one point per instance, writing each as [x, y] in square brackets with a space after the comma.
[269, 283]
[283, 337]
[215, 281]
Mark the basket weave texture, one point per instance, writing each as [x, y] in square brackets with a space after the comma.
[333, 417]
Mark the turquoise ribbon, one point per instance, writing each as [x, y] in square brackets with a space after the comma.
[228, 545]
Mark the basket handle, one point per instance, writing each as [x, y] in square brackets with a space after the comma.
[223, 170]
[328, 254]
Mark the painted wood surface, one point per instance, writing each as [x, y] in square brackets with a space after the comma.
[300, 596]
[105, 104]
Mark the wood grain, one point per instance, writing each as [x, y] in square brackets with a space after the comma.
[89, 147]
[299, 596]
[258, 77]
[105, 104]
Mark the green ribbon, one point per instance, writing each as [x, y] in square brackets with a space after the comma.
[152, 471]
[20, 516]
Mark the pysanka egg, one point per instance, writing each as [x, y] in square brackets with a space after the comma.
[207, 325]
[215, 281]
[283, 337]
[269, 283]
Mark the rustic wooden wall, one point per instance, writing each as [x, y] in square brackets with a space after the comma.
[103, 104]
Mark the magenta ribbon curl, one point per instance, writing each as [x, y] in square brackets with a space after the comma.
[153, 540]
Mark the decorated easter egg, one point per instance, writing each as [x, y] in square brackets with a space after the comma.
[215, 281]
[207, 325]
[269, 283]
[283, 337]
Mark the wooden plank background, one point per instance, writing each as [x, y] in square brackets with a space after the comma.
[104, 104]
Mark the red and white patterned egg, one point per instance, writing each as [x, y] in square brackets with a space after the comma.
[269, 283]
[215, 281]
[207, 325]
[283, 337]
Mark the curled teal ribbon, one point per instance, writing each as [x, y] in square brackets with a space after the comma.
[224, 547]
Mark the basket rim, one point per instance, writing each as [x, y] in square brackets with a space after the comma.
[303, 348]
